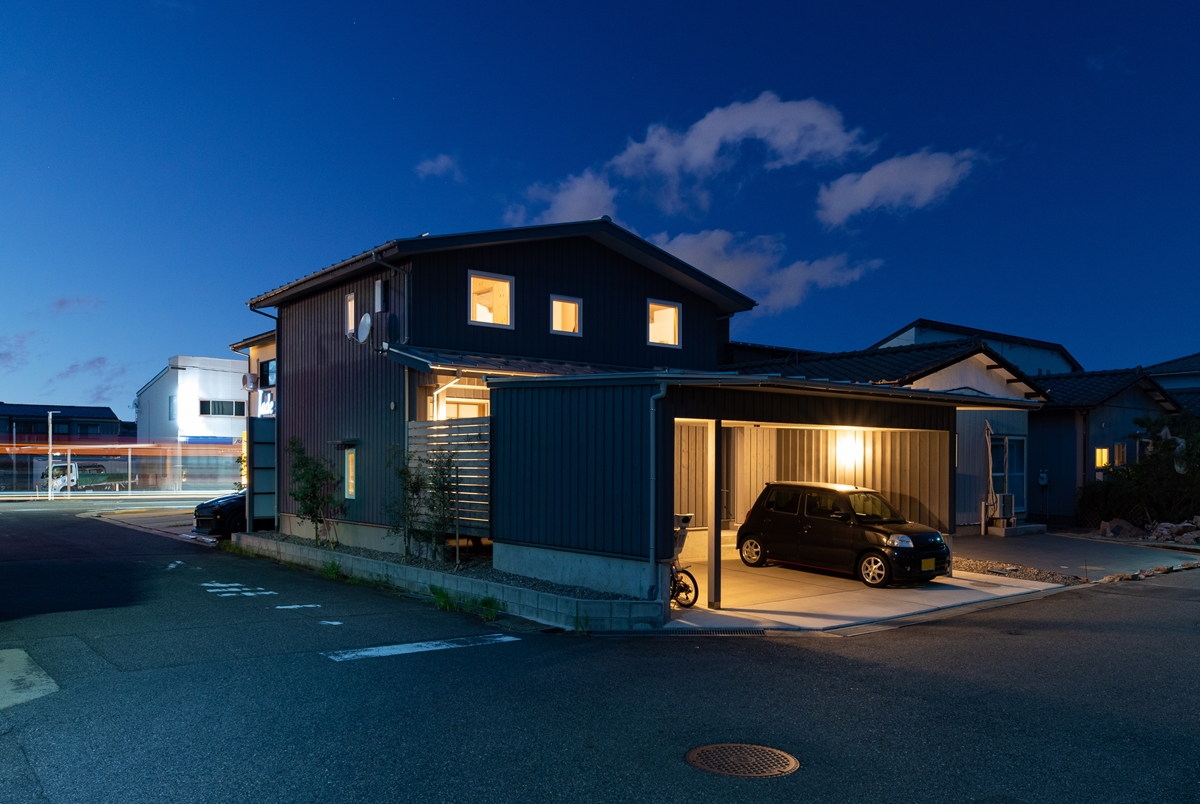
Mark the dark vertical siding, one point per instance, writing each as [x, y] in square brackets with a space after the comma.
[571, 468]
[1053, 447]
[613, 288]
[333, 389]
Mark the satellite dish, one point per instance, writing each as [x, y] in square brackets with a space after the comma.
[364, 328]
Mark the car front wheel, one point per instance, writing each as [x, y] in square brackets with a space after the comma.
[874, 570]
[753, 554]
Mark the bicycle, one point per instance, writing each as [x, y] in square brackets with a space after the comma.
[684, 590]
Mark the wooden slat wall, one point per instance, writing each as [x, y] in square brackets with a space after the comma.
[691, 472]
[469, 440]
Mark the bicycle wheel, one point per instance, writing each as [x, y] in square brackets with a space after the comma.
[686, 590]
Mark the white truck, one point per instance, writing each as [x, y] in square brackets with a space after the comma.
[86, 477]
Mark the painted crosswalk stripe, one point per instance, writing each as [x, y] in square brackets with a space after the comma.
[301, 606]
[419, 647]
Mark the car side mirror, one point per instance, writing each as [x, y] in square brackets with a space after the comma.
[841, 516]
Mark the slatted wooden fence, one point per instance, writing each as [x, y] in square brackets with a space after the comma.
[470, 443]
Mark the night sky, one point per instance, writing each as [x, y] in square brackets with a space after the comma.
[1029, 168]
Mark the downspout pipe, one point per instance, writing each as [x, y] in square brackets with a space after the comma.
[662, 392]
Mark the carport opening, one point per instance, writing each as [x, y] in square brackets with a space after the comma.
[910, 468]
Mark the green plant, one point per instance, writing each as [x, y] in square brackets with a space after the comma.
[443, 600]
[313, 487]
[424, 509]
[330, 569]
[489, 607]
[582, 626]
[233, 547]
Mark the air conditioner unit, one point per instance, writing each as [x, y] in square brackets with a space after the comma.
[249, 382]
[1005, 506]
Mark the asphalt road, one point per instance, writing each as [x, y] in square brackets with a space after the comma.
[170, 692]
[1069, 555]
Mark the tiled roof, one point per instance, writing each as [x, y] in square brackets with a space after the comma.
[1180, 365]
[1088, 389]
[1189, 399]
[62, 411]
[958, 329]
[503, 363]
[870, 365]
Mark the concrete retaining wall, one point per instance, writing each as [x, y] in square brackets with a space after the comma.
[565, 612]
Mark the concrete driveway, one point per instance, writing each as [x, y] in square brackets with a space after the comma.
[780, 597]
[1067, 554]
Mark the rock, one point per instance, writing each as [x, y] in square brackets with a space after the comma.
[1163, 532]
[1120, 529]
[1162, 570]
[1184, 527]
[1110, 579]
[1185, 538]
[1189, 565]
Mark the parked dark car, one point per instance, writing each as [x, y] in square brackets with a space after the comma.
[842, 528]
[221, 517]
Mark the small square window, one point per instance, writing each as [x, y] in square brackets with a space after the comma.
[205, 407]
[350, 472]
[239, 408]
[566, 315]
[490, 299]
[350, 322]
[663, 323]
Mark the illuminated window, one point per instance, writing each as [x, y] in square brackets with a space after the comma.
[465, 408]
[1101, 457]
[566, 315]
[350, 478]
[663, 323]
[490, 299]
[350, 322]
[1119, 454]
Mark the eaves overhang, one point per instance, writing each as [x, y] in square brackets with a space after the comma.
[774, 384]
[395, 253]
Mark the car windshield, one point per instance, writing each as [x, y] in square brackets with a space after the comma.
[870, 506]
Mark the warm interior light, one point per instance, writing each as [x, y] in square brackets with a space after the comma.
[564, 315]
[1101, 457]
[849, 451]
[490, 300]
[664, 324]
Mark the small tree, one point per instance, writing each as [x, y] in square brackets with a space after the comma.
[424, 510]
[404, 513]
[314, 484]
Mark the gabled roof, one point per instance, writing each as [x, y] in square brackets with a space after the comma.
[602, 230]
[1090, 389]
[62, 411]
[1190, 400]
[759, 351]
[428, 360]
[899, 365]
[972, 332]
[1180, 365]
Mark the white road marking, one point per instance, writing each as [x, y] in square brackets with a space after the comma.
[419, 647]
[330, 622]
[301, 606]
[235, 590]
[174, 564]
[21, 679]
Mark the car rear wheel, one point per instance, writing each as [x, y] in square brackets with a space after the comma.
[874, 570]
[753, 554]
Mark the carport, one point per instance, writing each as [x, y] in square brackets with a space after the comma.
[588, 471]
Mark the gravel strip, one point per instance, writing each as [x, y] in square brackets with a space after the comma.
[473, 566]
[1014, 571]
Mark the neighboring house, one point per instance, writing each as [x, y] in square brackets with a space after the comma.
[28, 425]
[1088, 424]
[1181, 378]
[259, 379]
[193, 400]
[1033, 357]
[574, 371]
[966, 366]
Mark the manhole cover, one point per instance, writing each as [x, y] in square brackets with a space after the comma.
[742, 760]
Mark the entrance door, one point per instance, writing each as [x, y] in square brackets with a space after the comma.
[781, 522]
[828, 533]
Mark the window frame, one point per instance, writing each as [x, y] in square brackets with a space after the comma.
[678, 323]
[265, 369]
[234, 403]
[350, 473]
[350, 310]
[512, 300]
[555, 297]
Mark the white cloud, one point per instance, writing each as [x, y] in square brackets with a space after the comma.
[792, 131]
[754, 266]
[575, 198]
[912, 181]
[440, 165]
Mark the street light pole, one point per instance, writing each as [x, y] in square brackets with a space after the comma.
[50, 453]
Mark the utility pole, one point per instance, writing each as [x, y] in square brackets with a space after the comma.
[50, 453]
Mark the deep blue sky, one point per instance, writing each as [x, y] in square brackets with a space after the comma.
[162, 162]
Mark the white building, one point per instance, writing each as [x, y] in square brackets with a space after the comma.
[194, 399]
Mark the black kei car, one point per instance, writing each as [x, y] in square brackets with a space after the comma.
[220, 517]
[842, 528]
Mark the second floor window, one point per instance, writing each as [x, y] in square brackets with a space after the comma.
[266, 373]
[490, 299]
[351, 324]
[222, 407]
[565, 315]
[663, 323]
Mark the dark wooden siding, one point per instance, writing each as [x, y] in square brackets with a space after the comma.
[1053, 447]
[333, 389]
[614, 291]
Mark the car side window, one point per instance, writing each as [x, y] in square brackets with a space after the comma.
[822, 505]
[783, 500]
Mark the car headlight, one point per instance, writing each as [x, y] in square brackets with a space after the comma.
[896, 540]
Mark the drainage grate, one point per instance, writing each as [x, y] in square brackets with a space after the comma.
[742, 760]
[685, 632]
